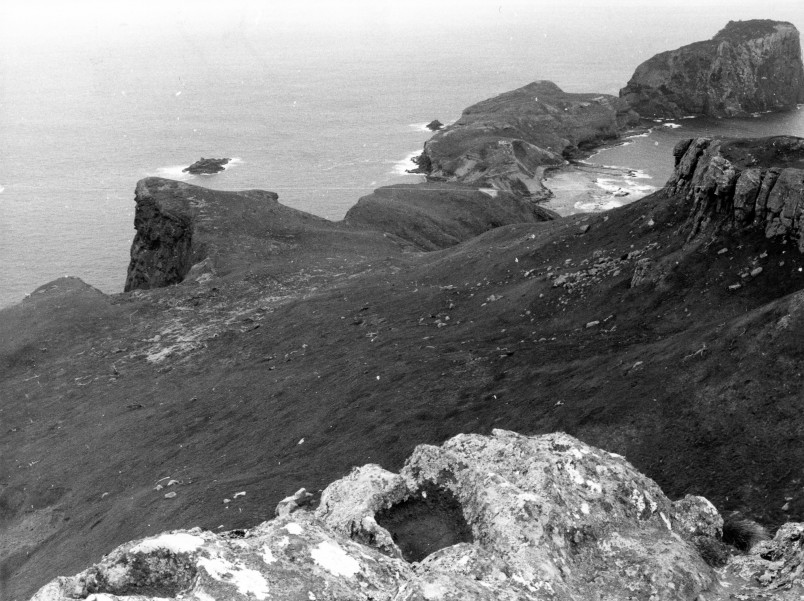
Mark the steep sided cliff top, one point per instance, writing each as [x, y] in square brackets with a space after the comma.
[300, 362]
[735, 32]
[742, 31]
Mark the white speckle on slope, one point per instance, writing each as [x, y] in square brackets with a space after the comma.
[267, 556]
[293, 528]
[334, 559]
[638, 500]
[245, 579]
[595, 487]
[175, 543]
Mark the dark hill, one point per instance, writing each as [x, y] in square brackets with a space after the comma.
[298, 348]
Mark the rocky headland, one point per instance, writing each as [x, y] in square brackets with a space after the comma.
[748, 67]
[207, 166]
[506, 142]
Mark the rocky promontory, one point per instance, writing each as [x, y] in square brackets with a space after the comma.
[181, 227]
[748, 67]
[506, 141]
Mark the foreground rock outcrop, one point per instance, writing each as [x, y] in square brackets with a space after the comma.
[506, 141]
[503, 517]
[494, 517]
[748, 67]
[749, 184]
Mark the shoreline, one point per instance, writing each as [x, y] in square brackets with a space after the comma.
[581, 186]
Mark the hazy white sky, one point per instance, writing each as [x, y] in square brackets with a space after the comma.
[46, 22]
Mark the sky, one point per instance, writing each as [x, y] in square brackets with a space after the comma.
[46, 21]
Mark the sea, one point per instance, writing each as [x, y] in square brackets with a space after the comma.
[321, 102]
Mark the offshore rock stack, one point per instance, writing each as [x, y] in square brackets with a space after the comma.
[748, 67]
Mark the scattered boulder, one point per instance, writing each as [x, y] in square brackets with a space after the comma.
[206, 166]
[748, 67]
[301, 498]
[642, 272]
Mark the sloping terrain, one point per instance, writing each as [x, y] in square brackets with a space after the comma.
[303, 348]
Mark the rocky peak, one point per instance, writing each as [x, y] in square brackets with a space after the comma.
[747, 67]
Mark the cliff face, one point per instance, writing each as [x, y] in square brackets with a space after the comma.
[749, 66]
[503, 142]
[162, 247]
[745, 184]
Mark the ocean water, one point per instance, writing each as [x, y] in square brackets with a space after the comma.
[319, 105]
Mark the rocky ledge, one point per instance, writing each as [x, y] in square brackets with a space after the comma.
[500, 517]
[506, 141]
[745, 184]
[748, 67]
[207, 166]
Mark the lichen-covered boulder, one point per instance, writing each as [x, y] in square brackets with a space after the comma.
[562, 519]
[294, 557]
[774, 569]
[502, 517]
